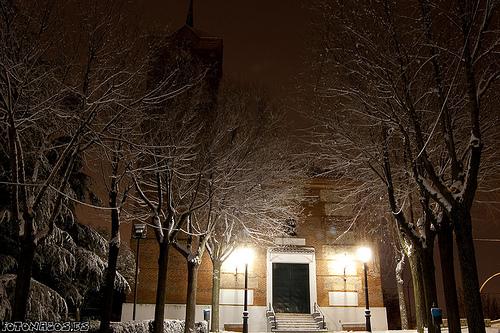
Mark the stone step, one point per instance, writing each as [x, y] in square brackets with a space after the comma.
[298, 329]
[293, 314]
[297, 326]
[294, 330]
[296, 323]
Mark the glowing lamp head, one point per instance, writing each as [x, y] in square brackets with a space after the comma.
[245, 255]
[238, 259]
[139, 231]
[364, 254]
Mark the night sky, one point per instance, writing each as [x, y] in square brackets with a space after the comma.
[268, 42]
[265, 41]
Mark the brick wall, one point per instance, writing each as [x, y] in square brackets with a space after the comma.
[315, 226]
[322, 207]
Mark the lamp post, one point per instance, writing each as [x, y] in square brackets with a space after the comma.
[365, 254]
[138, 232]
[245, 301]
[245, 255]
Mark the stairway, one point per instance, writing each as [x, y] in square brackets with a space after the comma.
[297, 323]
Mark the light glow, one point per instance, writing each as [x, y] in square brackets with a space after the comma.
[344, 260]
[343, 264]
[364, 254]
[237, 260]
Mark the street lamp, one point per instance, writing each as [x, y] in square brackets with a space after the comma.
[138, 232]
[365, 255]
[246, 256]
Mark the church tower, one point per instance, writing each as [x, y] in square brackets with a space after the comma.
[196, 55]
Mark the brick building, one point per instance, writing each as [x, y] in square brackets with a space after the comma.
[294, 275]
[317, 271]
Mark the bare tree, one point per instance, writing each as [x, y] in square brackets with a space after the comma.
[117, 146]
[420, 92]
[172, 183]
[125, 147]
[354, 153]
[394, 260]
[401, 257]
[118, 159]
[45, 97]
[257, 190]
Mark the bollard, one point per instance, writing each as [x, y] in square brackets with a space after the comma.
[206, 317]
[437, 317]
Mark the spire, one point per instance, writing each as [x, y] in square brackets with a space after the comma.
[190, 19]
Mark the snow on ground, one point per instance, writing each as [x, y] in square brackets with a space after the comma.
[177, 326]
[443, 330]
[465, 330]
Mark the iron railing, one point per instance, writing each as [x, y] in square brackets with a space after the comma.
[271, 317]
[319, 316]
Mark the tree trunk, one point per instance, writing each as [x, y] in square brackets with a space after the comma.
[216, 267]
[161, 288]
[418, 291]
[401, 293]
[445, 242]
[192, 266]
[114, 249]
[429, 283]
[468, 270]
[24, 272]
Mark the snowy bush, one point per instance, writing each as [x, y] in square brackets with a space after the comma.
[44, 303]
[146, 326]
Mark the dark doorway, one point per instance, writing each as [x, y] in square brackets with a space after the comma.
[291, 288]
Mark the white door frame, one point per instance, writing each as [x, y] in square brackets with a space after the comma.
[281, 255]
